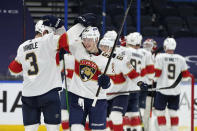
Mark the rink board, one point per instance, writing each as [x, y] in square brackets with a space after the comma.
[11, 114]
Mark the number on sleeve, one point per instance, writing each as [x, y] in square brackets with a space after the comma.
[33, 63]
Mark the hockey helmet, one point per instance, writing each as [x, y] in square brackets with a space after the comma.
[40, 27]
[91, 32]
[134, 38]
[107, 42]
[111, 35]
[169, 44]
[148, 44]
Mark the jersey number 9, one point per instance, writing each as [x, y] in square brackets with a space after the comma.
[171, 71]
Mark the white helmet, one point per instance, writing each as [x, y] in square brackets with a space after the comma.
[111, 34]
[169, 44]
[148, 44]
[107, 42]
[134, 38]
[40, 27]
[91, 32]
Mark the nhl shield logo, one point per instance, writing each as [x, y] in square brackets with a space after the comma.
[87, 70]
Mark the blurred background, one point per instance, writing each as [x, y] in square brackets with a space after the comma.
[156, 19]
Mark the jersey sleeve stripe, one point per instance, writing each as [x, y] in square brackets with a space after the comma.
[186, 73]
[63, 42]
[133, 74]
[57, 58]
[158, 72]
[150, 69]
[143, 72]
[15, 67]
[69, 73]
[118, 78]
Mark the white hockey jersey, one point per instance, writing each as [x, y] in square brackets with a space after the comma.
[87, 66]
[36, 59]
[137, 60]
[167, 69]
[120, 71]
[149, 66]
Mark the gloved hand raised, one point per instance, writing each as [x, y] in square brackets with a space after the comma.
[88, 19]
[104, 81]
[52, 21]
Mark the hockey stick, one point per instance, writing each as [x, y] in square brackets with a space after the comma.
[148, 109]
[140, 83]
[110, 57]
[64, 68]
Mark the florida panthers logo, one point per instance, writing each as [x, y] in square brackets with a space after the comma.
[87, 70]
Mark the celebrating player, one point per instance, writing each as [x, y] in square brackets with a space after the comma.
[81, 40]
[137, 60]
[119, 72]
[36, 60]
[168, 67]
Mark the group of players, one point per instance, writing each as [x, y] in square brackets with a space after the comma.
[121, 100]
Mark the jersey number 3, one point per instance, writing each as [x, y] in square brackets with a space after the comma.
[33, 63]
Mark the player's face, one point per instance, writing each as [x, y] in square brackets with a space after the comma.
[90, 44]
[147, 47]
[104, 48]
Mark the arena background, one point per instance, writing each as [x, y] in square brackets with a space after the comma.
[156, 19]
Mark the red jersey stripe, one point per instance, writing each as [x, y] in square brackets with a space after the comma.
[143, 72]
[15, 67]
[158, 72]
[118, 78]
[69, 73]
[133, 74]
[186, 73]
[150, 69]
[63, 42]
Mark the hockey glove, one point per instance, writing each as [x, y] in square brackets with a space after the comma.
[88, 19]
[104, 81]
[52, 21]
[62, 52]
[143, 86]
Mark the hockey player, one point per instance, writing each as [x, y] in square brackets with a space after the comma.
[148, 79]
[148, 45]
[118, 72]
[168, 66]
[36, 60]
[137, 60]
[89, 63]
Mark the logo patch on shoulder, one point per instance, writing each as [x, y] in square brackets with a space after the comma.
[87, 70]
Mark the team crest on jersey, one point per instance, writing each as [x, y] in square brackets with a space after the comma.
[87, 70]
